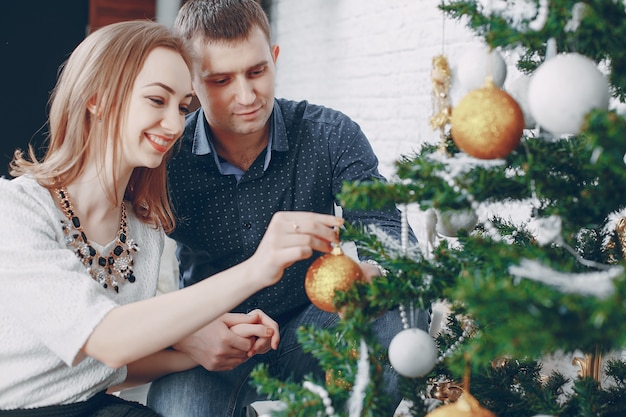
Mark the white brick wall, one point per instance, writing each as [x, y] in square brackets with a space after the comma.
[370, 59]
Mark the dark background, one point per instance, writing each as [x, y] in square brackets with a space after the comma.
[36, 37]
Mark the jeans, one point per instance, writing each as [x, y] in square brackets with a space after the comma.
[100, 405]
[202, 393]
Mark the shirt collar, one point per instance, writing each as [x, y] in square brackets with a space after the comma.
[203, 139]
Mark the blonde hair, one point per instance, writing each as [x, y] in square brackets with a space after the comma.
[101, 72]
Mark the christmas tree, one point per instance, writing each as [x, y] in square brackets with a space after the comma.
[517, 292]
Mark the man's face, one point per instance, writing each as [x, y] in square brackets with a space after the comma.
[234, 83]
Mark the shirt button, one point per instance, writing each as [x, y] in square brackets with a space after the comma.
[247, 225]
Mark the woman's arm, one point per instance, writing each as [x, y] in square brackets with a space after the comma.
[248, 326]
[133, 331]
[154, 366]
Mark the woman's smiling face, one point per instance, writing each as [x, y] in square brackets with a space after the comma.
[160, 99]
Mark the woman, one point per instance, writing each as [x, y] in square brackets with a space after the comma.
[83, 234]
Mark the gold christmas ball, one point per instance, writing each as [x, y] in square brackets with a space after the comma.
[487, 123]
[465, 406]
[330, 273]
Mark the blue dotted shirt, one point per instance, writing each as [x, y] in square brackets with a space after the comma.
[222, 213]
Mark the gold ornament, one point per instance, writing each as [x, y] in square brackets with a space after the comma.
[619, 240]
[440, 75]
[591, 365]
[620, 228]
[465, 406]
[446, 391]
[487, 123]
[330, 273]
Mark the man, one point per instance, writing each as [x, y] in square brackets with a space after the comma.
[245, 155]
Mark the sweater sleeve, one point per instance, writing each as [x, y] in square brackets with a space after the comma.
[44, 288]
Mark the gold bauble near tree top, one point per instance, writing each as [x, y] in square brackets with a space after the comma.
[330, 273]
[487, 123]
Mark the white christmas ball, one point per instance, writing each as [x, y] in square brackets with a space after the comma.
[413, 353]
[450, 222]
[518, 89]
[563, 90]
[476, 64]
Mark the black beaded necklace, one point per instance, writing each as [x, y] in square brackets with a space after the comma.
[109, 271]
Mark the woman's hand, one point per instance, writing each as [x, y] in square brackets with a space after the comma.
[230, 340]
[189, 319]
[292, 236]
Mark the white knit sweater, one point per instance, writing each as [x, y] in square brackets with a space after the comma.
[49, 304]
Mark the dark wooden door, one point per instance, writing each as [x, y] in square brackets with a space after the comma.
[105, 12]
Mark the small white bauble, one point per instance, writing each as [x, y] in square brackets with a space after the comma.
[450, 222]
[518, 89]
[413, 353]
[563, 90]
[476, 64]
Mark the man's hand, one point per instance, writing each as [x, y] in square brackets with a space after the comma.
[230, 340]
[371, 270]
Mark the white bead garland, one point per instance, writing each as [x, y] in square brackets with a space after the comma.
[404, 230]
[455, 345]
[323, 394]
[452, 348]
[405, 321]
[475, 205]
[404, 236]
